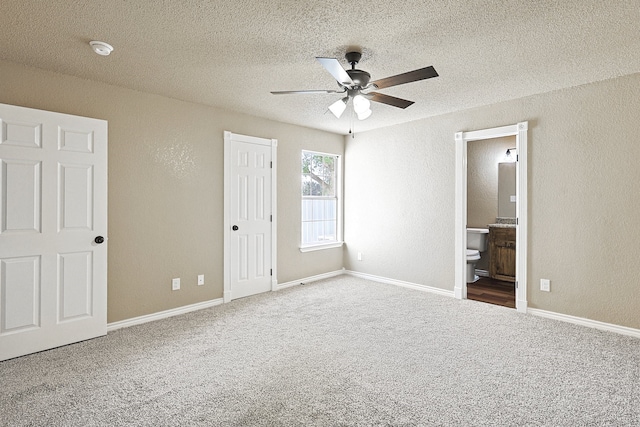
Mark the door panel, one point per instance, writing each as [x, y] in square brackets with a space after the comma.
[21, 194]
[76, 197]
[53, 190]
[75, 285]
[250, 213]
[20, 134]
[20, 294]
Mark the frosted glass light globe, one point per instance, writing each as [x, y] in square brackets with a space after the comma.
[360, 104]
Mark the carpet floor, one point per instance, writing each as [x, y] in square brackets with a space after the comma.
[340, 352]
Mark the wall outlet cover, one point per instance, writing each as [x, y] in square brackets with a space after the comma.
[545, 285]
[175, 284]
[200, 279]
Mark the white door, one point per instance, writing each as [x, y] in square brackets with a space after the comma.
[53, 194]
[248, 194]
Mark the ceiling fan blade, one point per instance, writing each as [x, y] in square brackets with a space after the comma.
[333, 66]
[411, 76]
[289, 92]
[389, 100]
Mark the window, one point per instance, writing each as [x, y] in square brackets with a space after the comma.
[321, 202]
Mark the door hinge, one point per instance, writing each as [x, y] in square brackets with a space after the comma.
[271, 218]
[516, 284]
[271, 165]
[271, 272]
[516, 221]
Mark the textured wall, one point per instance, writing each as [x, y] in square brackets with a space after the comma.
[583, 198]
[399, 193]
[166, 187]
[482, 179]
[506, 188]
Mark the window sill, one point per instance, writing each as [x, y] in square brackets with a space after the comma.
[321, 247]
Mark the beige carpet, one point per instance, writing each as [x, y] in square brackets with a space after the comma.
[341, 352]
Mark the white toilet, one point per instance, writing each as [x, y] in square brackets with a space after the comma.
[476, 242]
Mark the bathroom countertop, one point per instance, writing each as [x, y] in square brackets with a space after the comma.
[501, 226]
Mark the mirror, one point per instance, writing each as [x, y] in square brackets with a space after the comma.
[507, 190]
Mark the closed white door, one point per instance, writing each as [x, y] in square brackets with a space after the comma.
[249, 215]
[53, 224]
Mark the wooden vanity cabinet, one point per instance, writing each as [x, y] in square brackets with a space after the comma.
[502, 253]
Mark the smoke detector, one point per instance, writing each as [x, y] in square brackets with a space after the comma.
[101, 48]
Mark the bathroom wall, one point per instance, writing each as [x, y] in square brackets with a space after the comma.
[506, 189]
[483, 158]
[583, 199]
[166, 187]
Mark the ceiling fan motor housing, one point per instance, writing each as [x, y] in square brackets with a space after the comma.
[359, 77]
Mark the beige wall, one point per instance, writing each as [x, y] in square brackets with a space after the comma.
[483, 157]
[165, 193]
[507, 189]
[166, 187]
[584, 198]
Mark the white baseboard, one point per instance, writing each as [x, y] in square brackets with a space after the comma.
[162, 314]
[310, 279]
[623, 330]
[610, 327]
[404, 284]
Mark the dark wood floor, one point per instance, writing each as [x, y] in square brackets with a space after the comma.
[493, 292]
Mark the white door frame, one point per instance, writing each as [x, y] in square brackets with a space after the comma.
[228, 137]
[518, 130]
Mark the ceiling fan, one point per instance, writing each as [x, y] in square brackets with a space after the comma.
[359, 89]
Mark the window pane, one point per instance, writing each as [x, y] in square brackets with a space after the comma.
[318, 231]
[307, 228]
[328, 187]
[307, 210]
[317, 166]
[319, 203]
[306, 162]
[318, 210]
[330, 210]
[330, 230]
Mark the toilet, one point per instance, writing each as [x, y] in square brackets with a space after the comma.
[476, 242]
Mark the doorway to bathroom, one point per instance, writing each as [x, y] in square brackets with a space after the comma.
[466, 168]
[491, 217]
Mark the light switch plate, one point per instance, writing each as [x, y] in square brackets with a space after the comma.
[175, 284]
[200, 279]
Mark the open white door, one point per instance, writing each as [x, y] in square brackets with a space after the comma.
[249, 220]
[53, 224]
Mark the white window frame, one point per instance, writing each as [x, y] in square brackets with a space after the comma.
[339, 216]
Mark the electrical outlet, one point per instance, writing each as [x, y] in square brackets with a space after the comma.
[359, 256]
[545, 285]
[200, 279]
[175, 284]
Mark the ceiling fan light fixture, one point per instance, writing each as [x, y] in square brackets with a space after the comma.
[338, 107]
[361, 104]
[364, 115]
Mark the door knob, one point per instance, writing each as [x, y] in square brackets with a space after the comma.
[99, 240]
[234, 228]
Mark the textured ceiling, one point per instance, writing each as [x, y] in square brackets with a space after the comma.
[232, 53]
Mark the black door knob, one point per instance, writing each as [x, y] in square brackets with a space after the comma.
[99, 240]
[234, 228]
